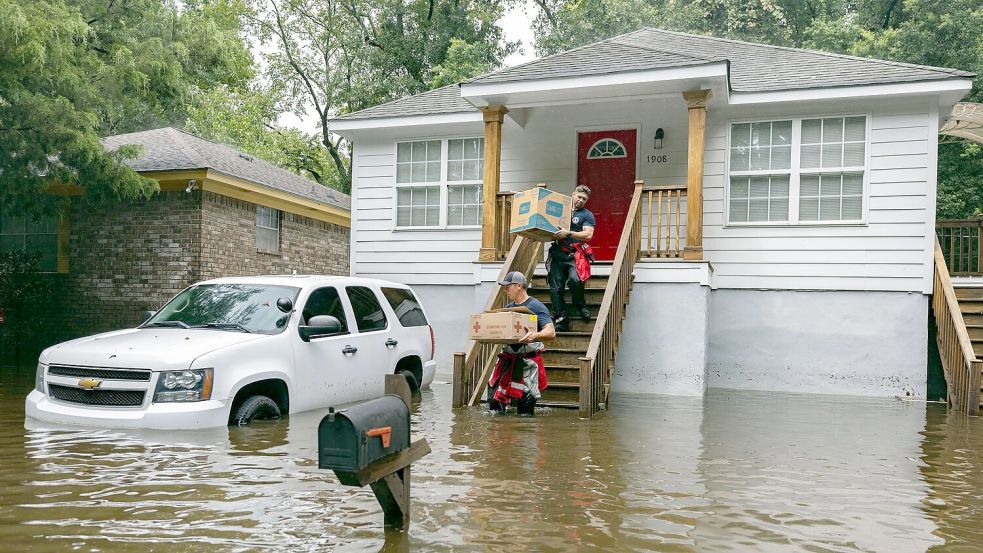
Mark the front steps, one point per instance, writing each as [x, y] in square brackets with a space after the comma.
[970, 300]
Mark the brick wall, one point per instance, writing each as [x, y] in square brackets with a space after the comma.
[307, 246]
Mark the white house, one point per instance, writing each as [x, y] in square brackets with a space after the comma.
[805, 266]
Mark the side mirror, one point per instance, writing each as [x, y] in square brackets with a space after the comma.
[145, 316]
[284, 304]
[319, 326]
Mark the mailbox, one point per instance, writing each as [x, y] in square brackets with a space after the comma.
[353, 438]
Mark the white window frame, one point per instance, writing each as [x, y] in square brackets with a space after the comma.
[279, 226]
[442, 184]
[795, 172]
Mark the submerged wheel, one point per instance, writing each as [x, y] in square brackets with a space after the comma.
[256, 408]
[411, 380]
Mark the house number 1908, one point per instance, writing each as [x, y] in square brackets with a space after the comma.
[657, 159]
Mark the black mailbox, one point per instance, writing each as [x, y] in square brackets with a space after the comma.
[351, 439]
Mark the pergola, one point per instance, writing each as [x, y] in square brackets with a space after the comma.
[966, 122]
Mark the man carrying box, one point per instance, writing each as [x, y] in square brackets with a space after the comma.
[519, 374]
[561, 262]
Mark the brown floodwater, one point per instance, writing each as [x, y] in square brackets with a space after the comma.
[733, 471]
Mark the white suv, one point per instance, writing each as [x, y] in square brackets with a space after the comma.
[231, 350]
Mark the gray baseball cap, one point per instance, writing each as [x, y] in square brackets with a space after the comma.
[514, 277]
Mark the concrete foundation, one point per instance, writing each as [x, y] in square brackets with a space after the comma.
[856, 343]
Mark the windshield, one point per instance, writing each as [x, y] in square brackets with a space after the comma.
[231, 307]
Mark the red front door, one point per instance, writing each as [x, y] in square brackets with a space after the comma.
[606, 163]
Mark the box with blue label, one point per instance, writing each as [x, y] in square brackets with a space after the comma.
[538, 212]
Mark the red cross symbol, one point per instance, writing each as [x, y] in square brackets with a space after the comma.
[476, 327]
[518, 327]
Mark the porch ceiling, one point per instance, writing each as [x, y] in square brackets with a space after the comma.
[966, 122]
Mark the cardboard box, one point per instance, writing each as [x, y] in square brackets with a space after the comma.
[538, 212]
[502, 326]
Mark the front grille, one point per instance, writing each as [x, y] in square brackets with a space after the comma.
[108, 398]
[101, 374]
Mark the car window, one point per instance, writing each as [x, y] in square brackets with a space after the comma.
[406, 306]
[227, 306]
[325, 301]
[369, 315]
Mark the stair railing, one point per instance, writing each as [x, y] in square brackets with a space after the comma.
[473, 368]
[596, 366]
[959, 362]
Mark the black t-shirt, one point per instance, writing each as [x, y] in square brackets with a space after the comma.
[543, 317]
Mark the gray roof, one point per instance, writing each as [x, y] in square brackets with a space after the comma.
[753, 68]
[170, 149]
[446, 99]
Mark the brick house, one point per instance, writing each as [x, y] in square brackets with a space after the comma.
[219, 212]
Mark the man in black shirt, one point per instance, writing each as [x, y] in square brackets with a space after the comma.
[560, 263]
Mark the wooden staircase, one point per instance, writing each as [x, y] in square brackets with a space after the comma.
[971, 306]
[562, 357]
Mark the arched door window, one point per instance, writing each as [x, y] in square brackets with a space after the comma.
[606, 147]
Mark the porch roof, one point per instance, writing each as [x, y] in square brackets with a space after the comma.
[751, 68]
[966, 122]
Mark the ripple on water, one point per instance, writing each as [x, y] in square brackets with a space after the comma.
[734, 471]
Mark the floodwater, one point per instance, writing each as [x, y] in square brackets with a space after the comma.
[734, 471]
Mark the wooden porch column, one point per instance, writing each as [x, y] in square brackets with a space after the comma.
[493, 116]
[696, 101]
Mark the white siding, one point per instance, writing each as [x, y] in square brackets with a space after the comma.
[887, 253]
[890, 252]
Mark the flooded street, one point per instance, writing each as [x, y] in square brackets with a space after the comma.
[734, 471]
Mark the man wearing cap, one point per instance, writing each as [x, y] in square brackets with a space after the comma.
[561, 263]
[520, 375]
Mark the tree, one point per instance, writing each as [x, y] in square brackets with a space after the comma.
[340, 56]
[246, 119]
[24, 290]
[74, 70]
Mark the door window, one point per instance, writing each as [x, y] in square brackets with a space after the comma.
[369, 315]
[325, 301]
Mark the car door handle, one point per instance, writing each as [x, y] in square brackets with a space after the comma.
[349, 350]
[390, 343]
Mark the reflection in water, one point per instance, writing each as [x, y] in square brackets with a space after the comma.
[737, 471]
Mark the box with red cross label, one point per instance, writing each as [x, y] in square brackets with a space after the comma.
[502, 326]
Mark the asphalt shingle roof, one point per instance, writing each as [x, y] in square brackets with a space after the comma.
[753, 68]
[170, 149]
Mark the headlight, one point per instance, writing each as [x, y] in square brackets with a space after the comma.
[39, 377]
[190, 385]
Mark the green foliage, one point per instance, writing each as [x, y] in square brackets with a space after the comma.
[339, 57]
[24, 291]
[943, 33]
[74, 70]
[247, 120]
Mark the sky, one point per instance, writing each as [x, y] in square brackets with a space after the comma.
[517, 26]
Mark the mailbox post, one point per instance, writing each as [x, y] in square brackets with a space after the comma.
[369, 443]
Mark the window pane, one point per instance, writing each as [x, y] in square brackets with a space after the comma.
[760, 134]
[740, 136]
[433, 216]
[811, 131]
[474, 148]
[403, 217]
[810, 156]
[853, 184]
[809, 185]
[472, 215]
[11, 242]
[433, 150]
[472, 170]
[856, 128]
[809, 209]
[369, 315]
[829, 209]
[325, 301]
[853, 155]
[760, 158]
[852, 207]
[781, 132]
[455, 149]
[455, 195]
[455, 170]
[403, 172]
[778, 210]
[406, 306]
[419, 172]
[472, 194]
[739, 187]
[403, 196]
[779, 187]
[738, 210]
[833, 130]
[419, 151]
[433, 171]
[781, 157]
[418, 217]
[740, 159]
[455, 215]
[833, 155]
[403, 152]
[759, 187]
[758, 210]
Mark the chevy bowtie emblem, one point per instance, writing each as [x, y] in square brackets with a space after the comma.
[90, 383]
